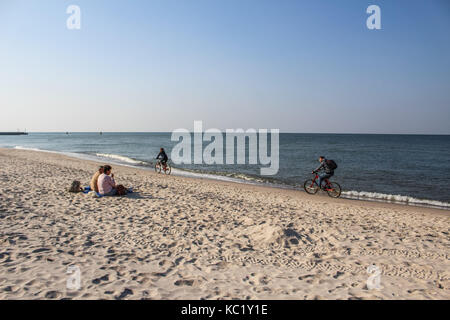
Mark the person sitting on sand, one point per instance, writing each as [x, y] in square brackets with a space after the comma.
[94, 180]
[106, 184]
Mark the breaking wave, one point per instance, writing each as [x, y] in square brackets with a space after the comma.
[121, 158]
[396, 198]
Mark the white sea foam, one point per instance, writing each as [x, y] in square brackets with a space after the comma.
[192, 174]
[364, 195]
[30, 149]
[86, 156]
[119, 158]
[70, 154]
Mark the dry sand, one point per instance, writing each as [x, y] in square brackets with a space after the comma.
[182, 238]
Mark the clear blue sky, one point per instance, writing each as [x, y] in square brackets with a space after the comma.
[300, 66]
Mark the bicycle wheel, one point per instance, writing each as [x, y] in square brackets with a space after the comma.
[158, 167]
[310, 187]
[334, 190]
[168, 169]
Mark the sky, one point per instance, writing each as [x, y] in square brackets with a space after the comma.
[158, 65]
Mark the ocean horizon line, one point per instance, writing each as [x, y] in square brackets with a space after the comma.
[281, 132]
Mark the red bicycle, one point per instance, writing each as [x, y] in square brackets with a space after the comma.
[159, 166]
[332, 188]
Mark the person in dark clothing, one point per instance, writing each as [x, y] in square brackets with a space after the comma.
[328, 172]
[163, 156]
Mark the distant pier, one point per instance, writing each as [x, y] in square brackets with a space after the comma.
[13, 133]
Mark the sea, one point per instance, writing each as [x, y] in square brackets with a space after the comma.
[405, 169]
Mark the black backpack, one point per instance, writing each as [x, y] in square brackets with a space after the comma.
[75, 187]
[331, 165]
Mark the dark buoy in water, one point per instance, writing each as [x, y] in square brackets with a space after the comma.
[67, 132]
[101, 133]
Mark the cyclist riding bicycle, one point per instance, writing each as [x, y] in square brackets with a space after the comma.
[163, 156]
[328, 167]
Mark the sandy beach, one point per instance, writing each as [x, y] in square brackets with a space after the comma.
[184, 238]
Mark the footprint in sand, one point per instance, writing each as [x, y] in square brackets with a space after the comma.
[99, 280]
[126, 292]
[184, 282]
[53, 295]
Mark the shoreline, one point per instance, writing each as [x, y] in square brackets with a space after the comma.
[188, 238]
[217, 177]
